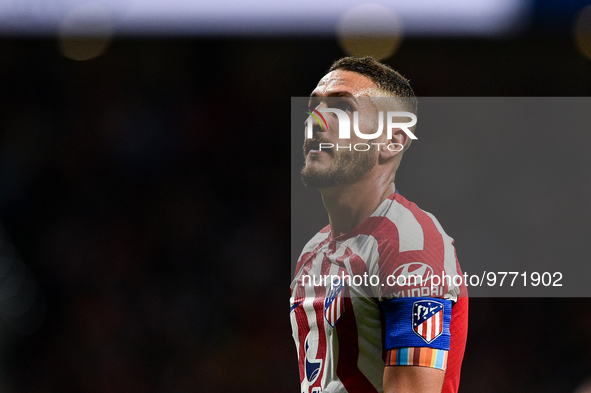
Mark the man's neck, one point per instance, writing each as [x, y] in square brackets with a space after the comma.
[351, 204]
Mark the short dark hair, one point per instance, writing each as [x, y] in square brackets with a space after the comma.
[385, 77]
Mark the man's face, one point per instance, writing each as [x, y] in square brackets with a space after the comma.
[328, 167]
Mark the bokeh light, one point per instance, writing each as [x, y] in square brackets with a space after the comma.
[370, 30]
[583, 31]
[22, 301]
[86, 32]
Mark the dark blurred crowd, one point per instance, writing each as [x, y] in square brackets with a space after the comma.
[146, 193]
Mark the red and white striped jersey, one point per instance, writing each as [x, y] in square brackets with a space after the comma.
[355, 307]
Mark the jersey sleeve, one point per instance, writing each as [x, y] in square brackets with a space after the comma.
[416, 258]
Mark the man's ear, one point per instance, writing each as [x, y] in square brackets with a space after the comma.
[395, 145]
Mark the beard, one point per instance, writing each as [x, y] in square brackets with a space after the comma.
[346, 167]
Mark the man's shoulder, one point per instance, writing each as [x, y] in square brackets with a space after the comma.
[406, 215]
[322, 236]
[312, 246]
[399, 199]
[398, 226]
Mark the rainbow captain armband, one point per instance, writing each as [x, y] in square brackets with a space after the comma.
[425, 357]
[417, 331]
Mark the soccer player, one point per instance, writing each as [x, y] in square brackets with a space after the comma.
[359, 321]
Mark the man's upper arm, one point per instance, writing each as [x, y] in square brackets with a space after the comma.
[417, 341]
[413, 379]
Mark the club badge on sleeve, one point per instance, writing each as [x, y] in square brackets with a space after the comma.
[427, 319]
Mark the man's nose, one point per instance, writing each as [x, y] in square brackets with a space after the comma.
[316, 120]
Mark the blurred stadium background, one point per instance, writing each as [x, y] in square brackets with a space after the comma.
[144, 195]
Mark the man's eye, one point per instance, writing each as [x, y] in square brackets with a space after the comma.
[345, 107]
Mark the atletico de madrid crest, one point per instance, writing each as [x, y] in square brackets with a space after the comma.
[334, 303]
[427, 319]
